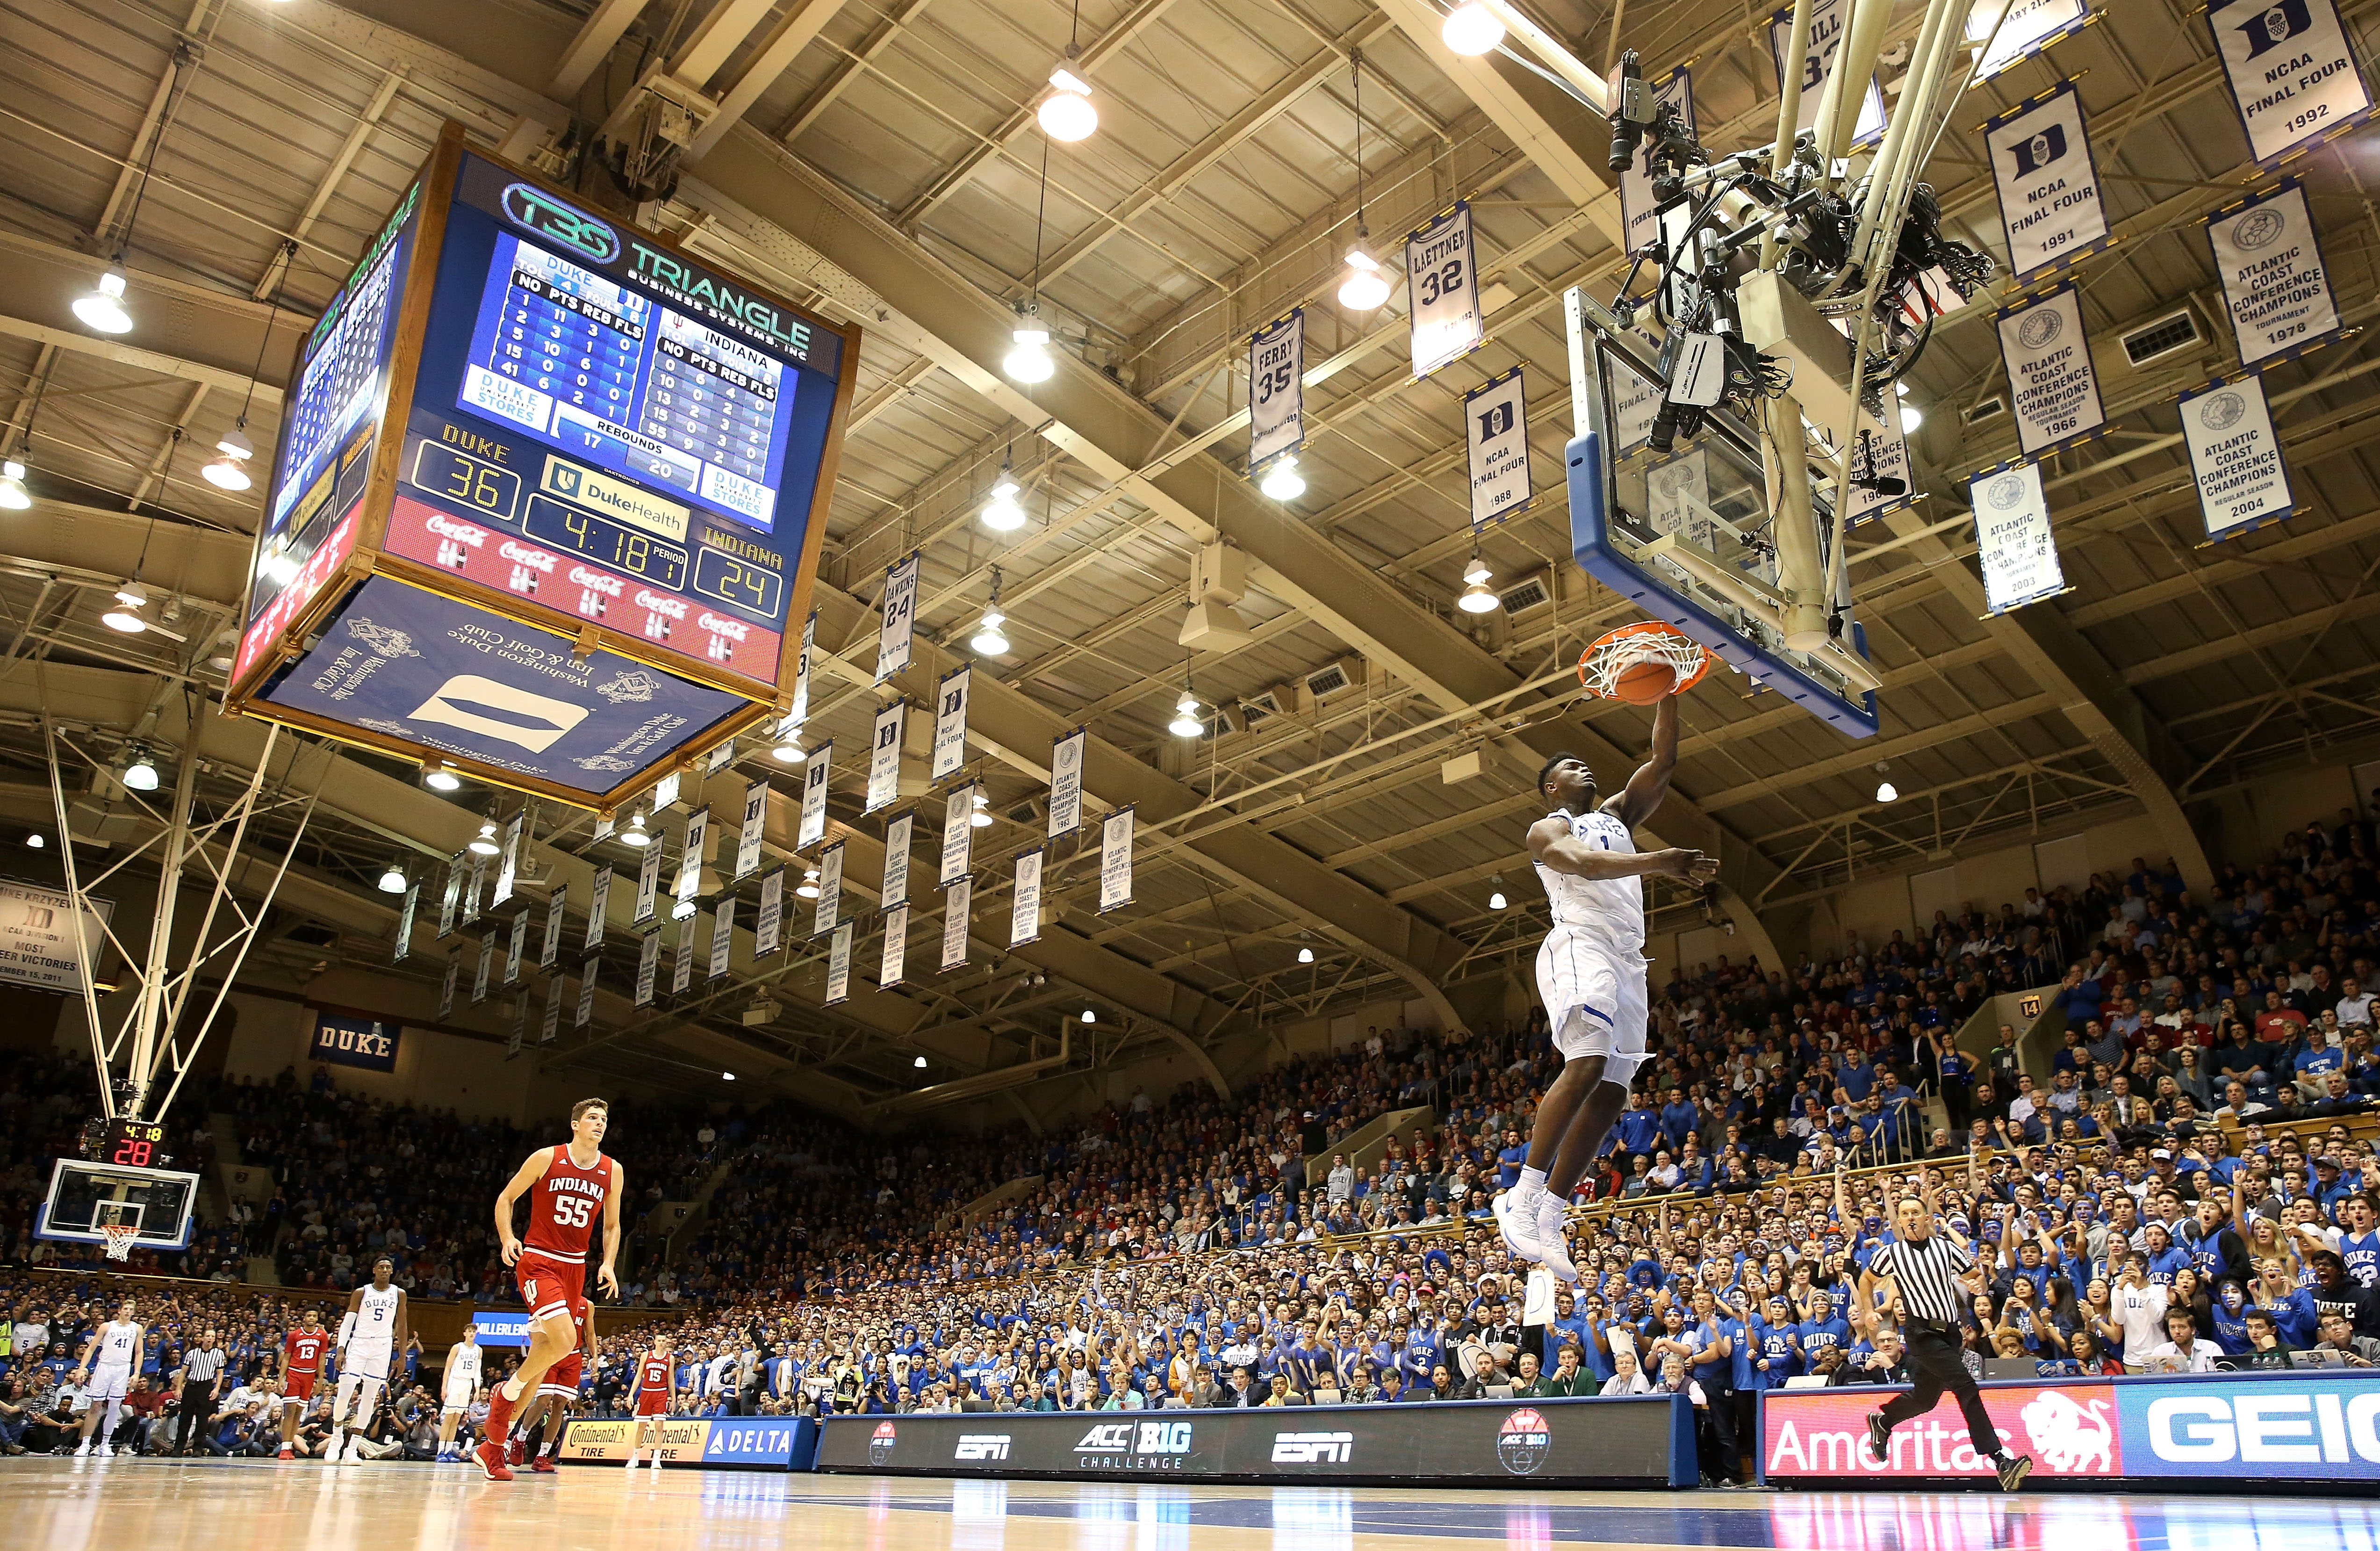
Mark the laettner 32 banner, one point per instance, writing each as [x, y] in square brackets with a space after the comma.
[1636, 1441]
[2048, 185]
[2293, 72]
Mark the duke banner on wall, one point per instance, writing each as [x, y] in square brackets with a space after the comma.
[1637, 205]
[1496, 430]
[354, 1042]
[769, 925]
[1025, 911]
[2047, 182]
[2031, 26]
[958, 835]
[1827, 19]
[2012, 539]
[950, 723]
[747, 832]
[598, 906]
[896, 887]
[1277, 390]
[1116, 861]
[957, 901]
[838, 966]
[1066, 783]
[2293, 72]
[829, 908]
[896, 944]
[814, 778]
[2275, 284]
[894, 635]
[722, 938]
[884, 758]
[2050, 376]
[2242, 480]
[1443, 285]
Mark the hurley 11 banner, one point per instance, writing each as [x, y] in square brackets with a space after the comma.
[2242, 481]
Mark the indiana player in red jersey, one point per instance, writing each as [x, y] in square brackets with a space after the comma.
[301, 1364]
[566, 1186]
[556, 1393]
[651, 1404]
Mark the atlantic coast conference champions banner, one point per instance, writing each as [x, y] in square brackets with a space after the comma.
[2275, 284]
[2235, 457]
[2056, 390]
[2013, 544]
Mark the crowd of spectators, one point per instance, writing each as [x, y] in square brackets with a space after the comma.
[1174, 1252]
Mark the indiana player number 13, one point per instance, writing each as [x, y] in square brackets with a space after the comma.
[566, 1187]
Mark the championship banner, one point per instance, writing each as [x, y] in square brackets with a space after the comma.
[2032, 26]
[800, 710]
[518, 949]
[2050, 376]
[2244, 482]
[884, 758]
[1442, 284]
[479, 970]
[596, 908]
[958, 835]
[446, 990]
[814, 775]
[2012, 540]
[1881, 453]
[690, 860]
[896, 860]
[520, 1028]
[1116, 861]
[722, 754]
[549, 952]
[829, 886]
[1635, 399]
[508, 869]
[747, 832]
[648, 882]
[1276, 390]
[648, 959]
[2047, 182]
[2291, 70]
[1066, 783]
[893, 636]
[1495, 433]
[476, 886]
[1827, 19]
[1024, 910]
[768, 927]
[449, 902]
[550, 1030]
[956, 902]
[682, 957]
[404, 922]
[896, 944]
[1677, 497]
[586, 973]
[722, 938]
[838, 966]
[950, 723]
[1637, 203]
[2276, 285]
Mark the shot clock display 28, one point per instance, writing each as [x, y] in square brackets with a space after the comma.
[133, 1143]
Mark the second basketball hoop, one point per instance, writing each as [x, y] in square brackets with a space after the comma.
[1641, 663]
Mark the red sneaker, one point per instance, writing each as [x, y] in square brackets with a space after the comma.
[514, 1453]
[542, 1464]
[490, 1457]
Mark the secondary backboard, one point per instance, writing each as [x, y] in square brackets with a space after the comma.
[1657, 528]
[85, 1199]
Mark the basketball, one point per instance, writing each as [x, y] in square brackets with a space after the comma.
[1644, 683]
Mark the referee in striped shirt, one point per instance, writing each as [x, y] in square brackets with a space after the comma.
[201, 1381]
[1935, 1276]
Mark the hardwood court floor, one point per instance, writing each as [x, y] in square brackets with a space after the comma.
[144, 1505]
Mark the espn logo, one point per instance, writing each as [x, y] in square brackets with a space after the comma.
[1312, 1449]
[981, 1446]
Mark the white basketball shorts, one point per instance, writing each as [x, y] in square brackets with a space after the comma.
[367, 1361]
[1595, 998]
[108, 1383]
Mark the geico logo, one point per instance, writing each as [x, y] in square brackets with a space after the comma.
[2288, 1427]
[1312, 1449]
[981, 1446]
[1111, 1437]
[1162, 1438]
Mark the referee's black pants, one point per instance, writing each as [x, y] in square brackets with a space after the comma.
[1936, 1364]
[198, 1406]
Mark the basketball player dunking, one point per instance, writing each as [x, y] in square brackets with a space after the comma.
[377, 1326]
[1591, 976]
[566, 1187]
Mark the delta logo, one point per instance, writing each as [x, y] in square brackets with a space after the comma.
[880, 1444]
[2068, 1432]
[1522, 1441]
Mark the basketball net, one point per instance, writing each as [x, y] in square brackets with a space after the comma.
[1648, 641]
[119, 1239]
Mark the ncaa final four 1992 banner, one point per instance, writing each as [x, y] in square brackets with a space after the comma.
[1636, 1441]
[2293, 72]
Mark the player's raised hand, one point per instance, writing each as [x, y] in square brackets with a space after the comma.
[1681, 861]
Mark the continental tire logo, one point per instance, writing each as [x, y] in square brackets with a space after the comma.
[981, 1446]
[1522, 1441]
[880, 1444]
[556, 221]
[1312, 1448]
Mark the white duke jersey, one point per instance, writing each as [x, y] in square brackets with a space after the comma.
[376, 1320]
[1611, 910]
[462, 1367]
[118, 1342]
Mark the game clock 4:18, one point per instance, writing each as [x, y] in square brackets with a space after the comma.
[133, 1143]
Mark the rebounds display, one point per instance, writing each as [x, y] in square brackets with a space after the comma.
[617, 457]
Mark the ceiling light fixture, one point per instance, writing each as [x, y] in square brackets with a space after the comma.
[393, 880]
[727, 1077]
[989, 639]
[1471, 29]
[979, 814]
[126, 617]
[103, 308]
[484, 842]
[442, 777]
[1029, 362]
[809, 885]
[1475, 597]
[139, 771]
[1002, 514]
[1186, 722]
[1089, 1016]
[1885, 790]
[1306, 956]
[14, 496]
[635, 835]
[920, 1063]
[1364, 287]
[1911, 417]
[1497, 901]
[788, 748]
[1067, 113]
[1282, 480]
[35, 841]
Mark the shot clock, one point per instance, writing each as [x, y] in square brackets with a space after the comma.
[133, 1143]
[521, 408]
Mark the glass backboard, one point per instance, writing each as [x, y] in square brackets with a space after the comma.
[85, 1199]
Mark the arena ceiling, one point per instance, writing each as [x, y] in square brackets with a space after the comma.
[880, 161]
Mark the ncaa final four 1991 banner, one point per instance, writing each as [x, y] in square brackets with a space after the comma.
[1636, 1441]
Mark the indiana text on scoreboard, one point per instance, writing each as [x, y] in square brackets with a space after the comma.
[547, 494]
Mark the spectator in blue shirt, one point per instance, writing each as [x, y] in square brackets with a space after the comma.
[1678, 1117]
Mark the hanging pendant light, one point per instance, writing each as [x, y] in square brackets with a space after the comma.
[1305, 955]
[1186, 722]
[1282, 480]
[1364, 287]
[14, 496]
[442, 777]
[636, 835]
[1471, 29]
[393, 880]
[484, 842]
[103, 308]
[141, 771]
[1496, 901]
[1029, 360]
[1002, 514]
[229, 470]
[810, 884]
[1067, 113]
[1885, 790]
[126, 617]
[989, 639]
[1475, 597]
[788, 748]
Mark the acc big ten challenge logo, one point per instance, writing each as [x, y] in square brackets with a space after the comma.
[1134, 1446]
[1522, 1441]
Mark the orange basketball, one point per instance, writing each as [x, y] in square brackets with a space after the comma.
[1645, 683]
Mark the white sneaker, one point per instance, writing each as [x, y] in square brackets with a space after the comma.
[354, 1455]
[1518, 1223]
[632, 1459]
[82, 1449]
[1550, 1217]
[331, 1452]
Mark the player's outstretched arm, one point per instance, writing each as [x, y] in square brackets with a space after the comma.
[523, 1179]
[1552, 844]
[1651, 783]
[606, 1281]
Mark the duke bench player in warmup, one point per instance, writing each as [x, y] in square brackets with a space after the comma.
[301, 1366]
[566, 1187]
[117, 1346]
[1591, 976]
[656, 1376]
[376, 1328]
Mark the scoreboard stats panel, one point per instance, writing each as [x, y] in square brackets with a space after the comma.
[521, 408]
